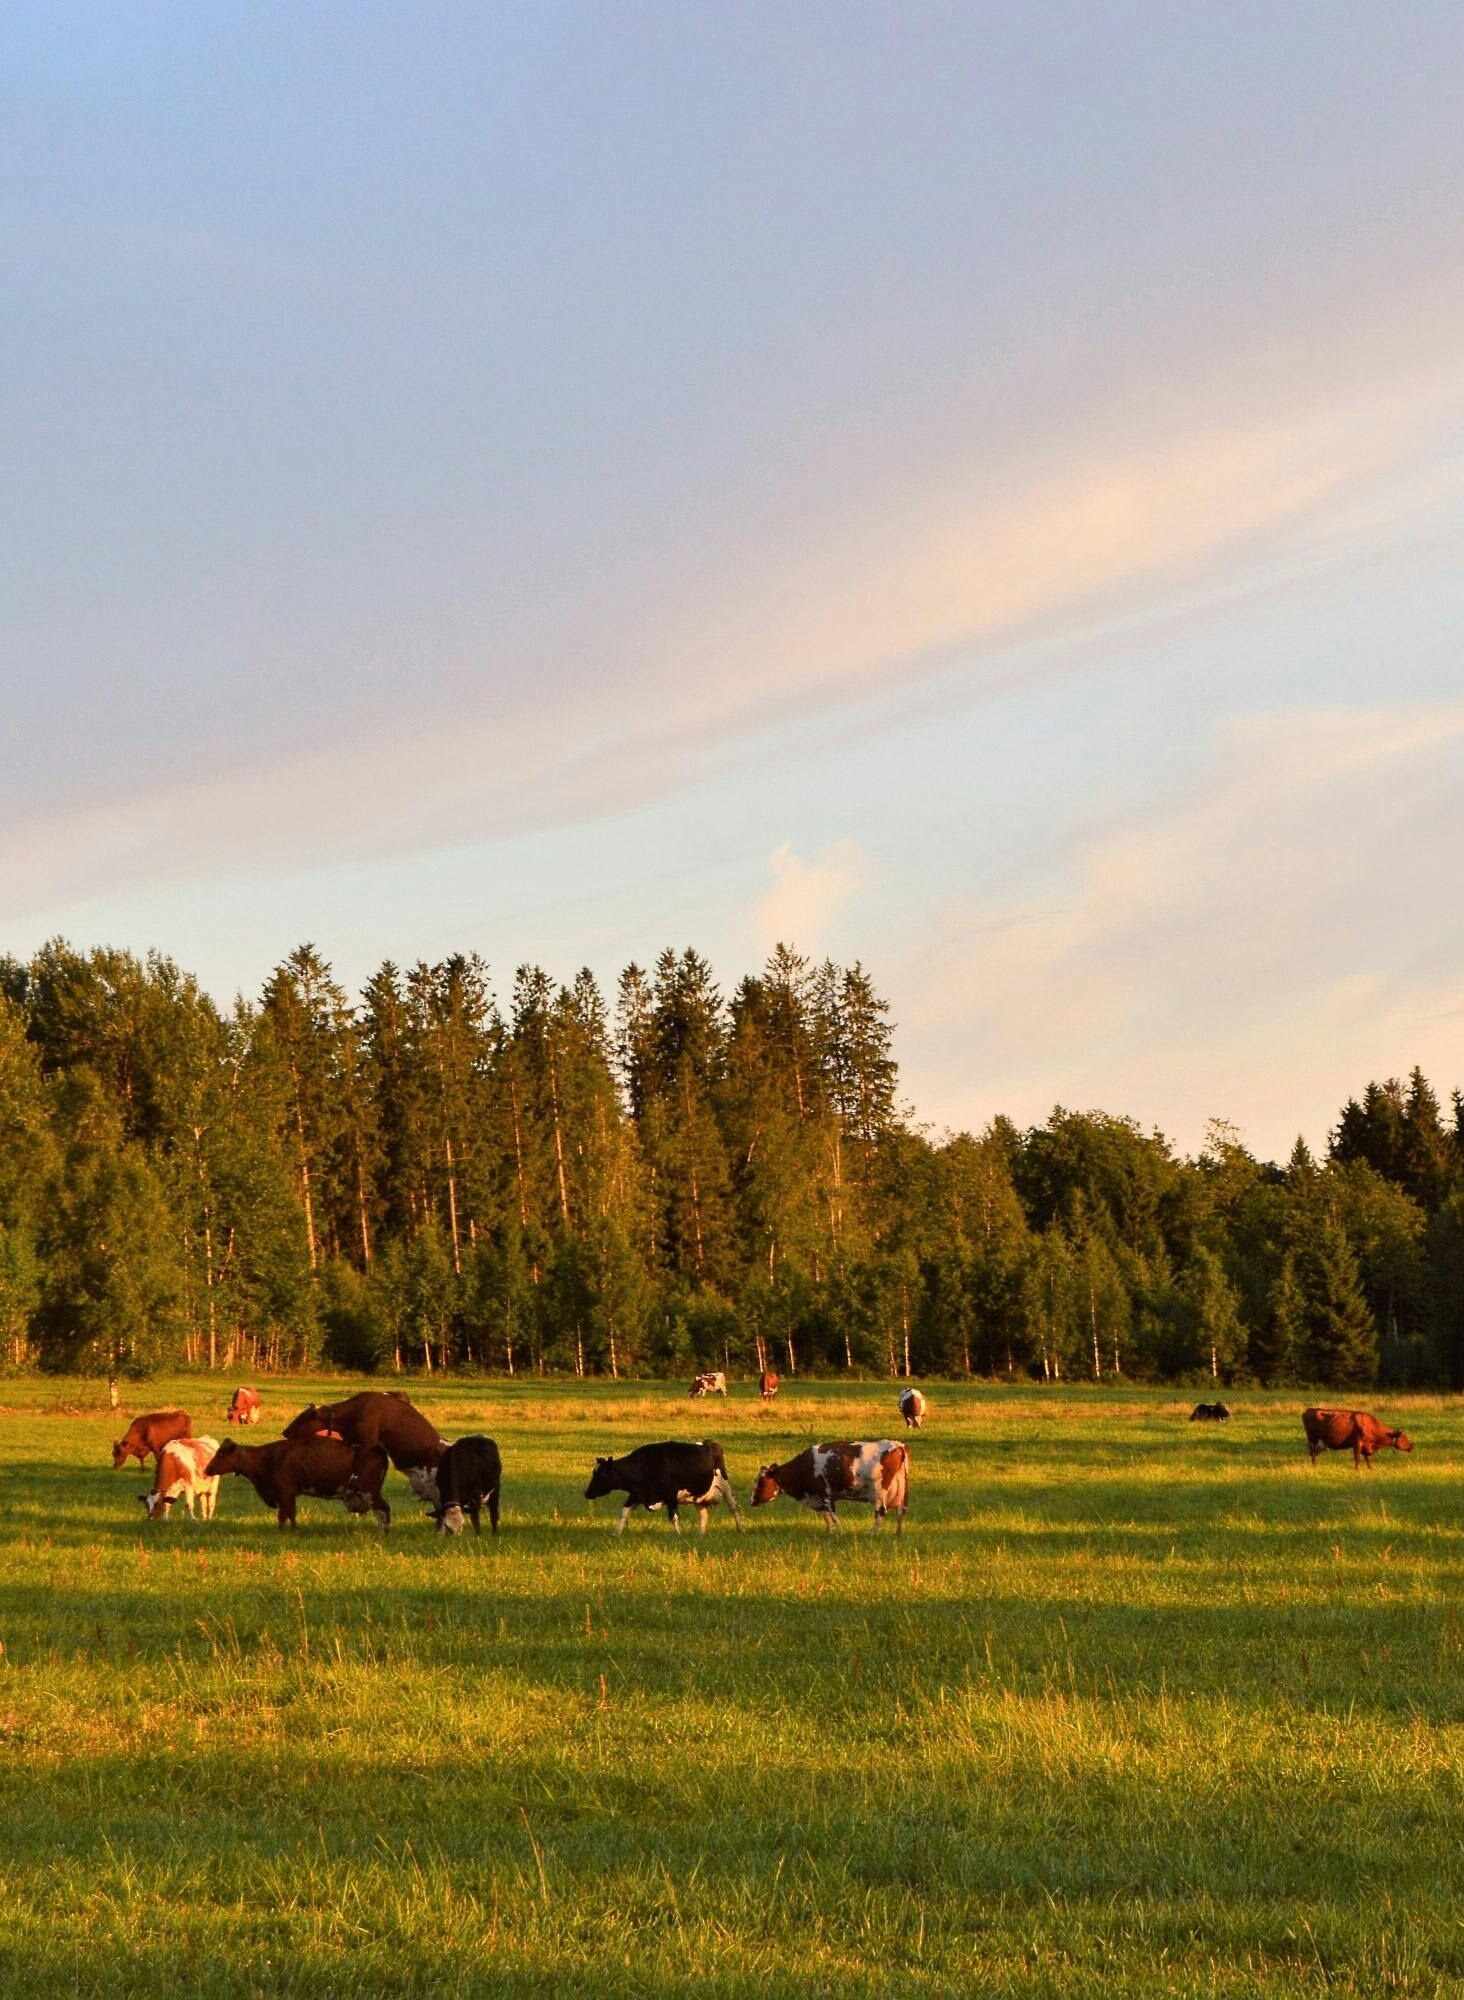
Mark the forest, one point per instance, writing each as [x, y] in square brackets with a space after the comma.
[430, 1179]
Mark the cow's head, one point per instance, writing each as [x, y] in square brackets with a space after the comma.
[423, 1481]
[765, 1487]
[156, 1503]
[228, 1458]
[1400, 1440]
[602, 1479]
[313, 1421]
[449, 1519]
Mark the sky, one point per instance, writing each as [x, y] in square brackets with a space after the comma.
[975, 489]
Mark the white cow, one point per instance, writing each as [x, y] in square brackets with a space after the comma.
[180, 1474]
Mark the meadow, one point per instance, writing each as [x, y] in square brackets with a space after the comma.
[1133, 1707]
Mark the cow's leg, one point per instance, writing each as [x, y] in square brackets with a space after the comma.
[493, 1510]
[701, 1515]
[624, 1517]
[831, 1520]
[879, 1514]
[475, 1508]
[285, 1514]
[724, 1488]
[672, 1515]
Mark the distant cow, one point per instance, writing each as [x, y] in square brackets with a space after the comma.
[1209, 1413]
[320, 1466]
[767, 1385]
[468, 1473]
[912, 1408]
[182, 1475]
[150, 1434]
[1337, 1429]
[663, 1475]
[825, 1474]
[244, 1409]
[713, 1383]
[374, 1417]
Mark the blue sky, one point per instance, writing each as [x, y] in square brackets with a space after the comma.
[978, 489]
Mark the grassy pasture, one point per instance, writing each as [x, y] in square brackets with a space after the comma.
[1134, 1707]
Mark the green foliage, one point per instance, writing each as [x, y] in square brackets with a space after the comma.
[424, 1181]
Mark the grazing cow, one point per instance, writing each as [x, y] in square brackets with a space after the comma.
[663, 1475]
[150, 1434]
[912, 1408]
[326, 1468]
[375, 1417]
[1209, 1413]
[767, 1385]
[713, 1383]
[825, 1474]
[182, 1475]
[1337, 1429]
[468, 1473]
[244, 1409]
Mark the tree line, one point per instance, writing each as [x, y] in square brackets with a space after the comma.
[432, 1178]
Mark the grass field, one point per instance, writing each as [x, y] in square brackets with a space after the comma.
[1133, 1707]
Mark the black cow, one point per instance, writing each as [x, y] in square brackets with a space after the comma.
[662, 1475]
[1209, 1413]
[468, 1473]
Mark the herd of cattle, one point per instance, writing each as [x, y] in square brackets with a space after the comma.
[343, 1451]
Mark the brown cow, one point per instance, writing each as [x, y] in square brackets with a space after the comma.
[375, 1417]
[825, 1474]
[1337, 1429]
[150, 1434]
[767, 1385]
[320, 1466]
[244, 1409]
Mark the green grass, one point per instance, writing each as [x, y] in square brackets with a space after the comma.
[1134, 1707]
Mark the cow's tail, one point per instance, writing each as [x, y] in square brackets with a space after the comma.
[724, 1488]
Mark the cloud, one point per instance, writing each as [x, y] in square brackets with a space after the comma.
[1256, 950]
[805, 897]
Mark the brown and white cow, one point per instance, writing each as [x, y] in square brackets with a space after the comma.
[912, 1408]
[149, 1434]
[767, 1385]
[1336, 1430]
[182, 1475]
[712, 1383]
[825, 1474]
[244, 1409]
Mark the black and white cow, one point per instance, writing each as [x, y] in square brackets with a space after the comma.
[713, 1383]
[912, 1408]
[663, 1475]
[468, 1473]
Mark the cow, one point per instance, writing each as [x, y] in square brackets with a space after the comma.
[825, 1474]
[767, 1385]
[244, 1409]
[327, 1468]
[181, 1475]
[912, 1408]
[713, 1383]
[663, 1475]
[150, 1434]
[1337, 1429]
[375, 1417]
[1209, 1413]
[469, 1472]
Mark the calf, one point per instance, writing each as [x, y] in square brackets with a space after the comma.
[150, 1434]
[1209, 1413]
[912, 1408]
[375, 1417]
[1337, 1429]
[182, 1474]
[825, 1474]
[663, 1475]
[713, 1383]
[468, 1473]
[244, 1409]
[326, 1468]
[767, 1385]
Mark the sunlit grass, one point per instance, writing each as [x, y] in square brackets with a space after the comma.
[1133, 1707]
